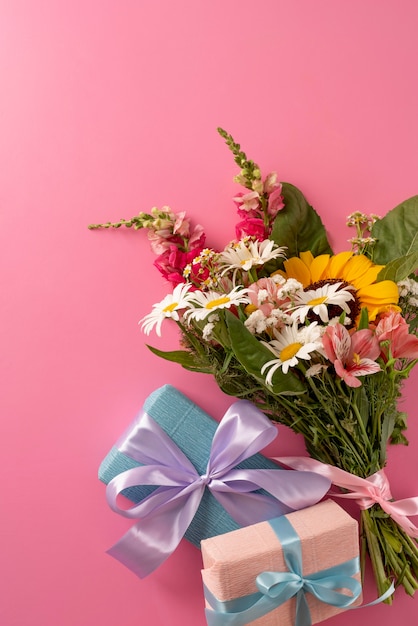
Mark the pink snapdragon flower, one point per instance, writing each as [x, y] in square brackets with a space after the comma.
[271, 183]
[174, 259]
[275, 202]
[248, 204]
[392, 332]
[197, 239]
[181, 225]
[257, 221]
[162, 240]
[352, 355]
[251, 227]
[168, 229]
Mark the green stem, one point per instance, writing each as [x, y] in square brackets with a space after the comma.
[401, 570]
[334, 420]
[361, 426]
[136, 222]
[383, 583]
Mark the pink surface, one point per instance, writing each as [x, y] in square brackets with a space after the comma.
[109, 108]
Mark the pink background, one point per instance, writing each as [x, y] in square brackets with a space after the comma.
[108, 108]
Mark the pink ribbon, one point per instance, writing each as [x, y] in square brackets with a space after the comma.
[366, 491]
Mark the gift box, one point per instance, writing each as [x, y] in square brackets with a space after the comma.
[268, 574]
[190, 476]
[192, 430]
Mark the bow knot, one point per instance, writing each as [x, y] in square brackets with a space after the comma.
[167, 512]
[365, 491]
[206, 479]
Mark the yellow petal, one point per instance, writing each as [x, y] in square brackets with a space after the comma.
[356, 267]
[307, 257]
[336, 265]
[296, 268]
[385, 292]
[368, 277]
[318, 267]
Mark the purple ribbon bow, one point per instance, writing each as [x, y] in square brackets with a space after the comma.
[166, 513]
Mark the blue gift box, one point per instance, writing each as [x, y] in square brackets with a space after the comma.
[192, 430]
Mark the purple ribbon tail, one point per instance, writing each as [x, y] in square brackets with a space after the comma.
[148, 543]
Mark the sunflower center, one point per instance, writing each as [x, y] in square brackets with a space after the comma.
[316, 301]
[170, 307]
[289, 351]
[333, 309]
[217, 302]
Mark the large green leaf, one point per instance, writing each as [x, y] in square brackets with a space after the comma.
[184, 358]
[398, 269]
[298, 226]
[396, 233]
[253, 355]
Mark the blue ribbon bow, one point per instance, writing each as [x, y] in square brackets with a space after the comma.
[276, 588]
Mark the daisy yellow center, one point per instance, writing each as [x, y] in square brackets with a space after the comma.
[217, 302]
[316, 301]
[289, 351]
[170, 307]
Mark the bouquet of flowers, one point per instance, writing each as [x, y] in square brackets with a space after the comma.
[320, 342]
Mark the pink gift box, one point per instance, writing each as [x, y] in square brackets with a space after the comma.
[328, 537]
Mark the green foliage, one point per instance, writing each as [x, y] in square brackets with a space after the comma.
[396, 233]
[185, 358]
[400, 426]
[399, 268]
[298, 226]
[364, 319]
[253, 355]
[362, 403]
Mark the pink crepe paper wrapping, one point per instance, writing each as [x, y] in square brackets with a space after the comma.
[328, 535]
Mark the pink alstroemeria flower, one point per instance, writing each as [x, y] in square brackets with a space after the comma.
[352, 355]
[393, 328]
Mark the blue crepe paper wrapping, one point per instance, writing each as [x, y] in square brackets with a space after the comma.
[192, 430]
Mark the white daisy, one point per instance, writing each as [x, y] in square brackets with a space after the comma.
[201, 303]
[317, 301]
[168, 307]
[247, 253]
[290, 345]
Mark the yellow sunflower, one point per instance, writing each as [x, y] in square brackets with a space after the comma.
[352, 269]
